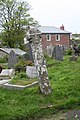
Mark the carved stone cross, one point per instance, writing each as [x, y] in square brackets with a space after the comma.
[39, 61]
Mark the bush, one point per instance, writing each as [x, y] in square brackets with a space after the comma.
[29, 63]
[69, 52]
[20, 66]
[22, 75]
[3, 60]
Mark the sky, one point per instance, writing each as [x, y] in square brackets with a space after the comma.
[57, 12]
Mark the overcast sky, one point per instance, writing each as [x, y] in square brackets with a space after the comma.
[57, 12]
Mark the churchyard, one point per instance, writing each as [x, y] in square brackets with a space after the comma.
[31, 90]
[35, 84]
[14, 74]
[30, 103]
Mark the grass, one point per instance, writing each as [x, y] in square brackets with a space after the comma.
[64, 78]
[22, 79]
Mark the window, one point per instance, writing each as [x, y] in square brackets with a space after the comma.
[57, 37]
[48, 37]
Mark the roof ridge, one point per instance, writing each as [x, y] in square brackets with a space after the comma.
[52, 29]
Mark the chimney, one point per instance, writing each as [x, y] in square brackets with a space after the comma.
[62, 27]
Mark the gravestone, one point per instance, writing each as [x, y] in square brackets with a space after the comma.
[29, 50]
[31, 71]
[12, 60]
[7, 74]
[50, 50]
[63, 49]
[58, 53]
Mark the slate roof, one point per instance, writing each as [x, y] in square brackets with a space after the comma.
[51, 29]
[16, 50]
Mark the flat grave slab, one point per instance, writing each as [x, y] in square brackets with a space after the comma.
[4, 81]
[7, 74]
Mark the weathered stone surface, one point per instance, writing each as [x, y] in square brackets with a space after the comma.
[50, 50]
[39, 61]
[7, 74]
[4, 81]
[29, 51]
[58, 52]
[31, 71]
[19, 87]
[12, 60]
[16, 87]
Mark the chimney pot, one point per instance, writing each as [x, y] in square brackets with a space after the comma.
[62, 27]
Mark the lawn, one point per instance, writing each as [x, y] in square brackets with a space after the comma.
[22, 79]
[29, 103]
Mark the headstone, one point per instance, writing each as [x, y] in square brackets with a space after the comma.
[12, 60]
[58, 53]
[29, 50]
[50, 50]
[63, 49]
[7, 74]
[31, 71]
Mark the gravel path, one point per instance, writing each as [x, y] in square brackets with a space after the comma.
[73, 115]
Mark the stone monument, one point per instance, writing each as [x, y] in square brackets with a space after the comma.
[12, 60]
[39, 61]
[58, 53]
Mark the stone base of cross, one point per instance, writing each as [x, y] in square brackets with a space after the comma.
[44, 81]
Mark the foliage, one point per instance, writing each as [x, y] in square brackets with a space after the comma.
[22, 75]
[29, 63]
[69, 51]
[22, 79]
[47, 58]
[64, 78]
[14, 16]
[3, 60]
[20, 66]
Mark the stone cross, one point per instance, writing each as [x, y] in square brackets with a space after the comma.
[29, 50]
[40, 62]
